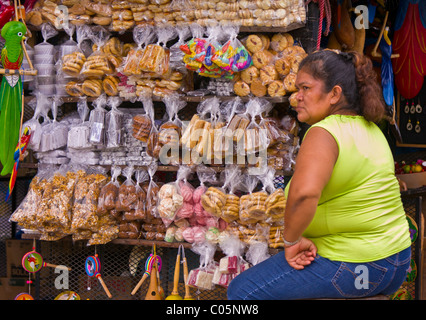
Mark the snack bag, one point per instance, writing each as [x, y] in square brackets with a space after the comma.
[233, 178]
[176, 54]
[114, 124]
[97, 121]
[257, 252]
[127, 198]
[169, 132]
[143, 123]
[201, 216]
[232, 264]
[85, 219]
[140, 208]
[26, 215]
[79, 134]
[55, 208]
[202, 277]
[38, 104]
[252, 205]
[152, 196]
[142, 34]
[170, 201]
[187, 191]
[109, 193]
[156, 57]
[97, 64]
[55, 134]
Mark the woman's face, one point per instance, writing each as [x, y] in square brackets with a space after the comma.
[313, 104]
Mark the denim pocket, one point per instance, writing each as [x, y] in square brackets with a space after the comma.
[354, 280]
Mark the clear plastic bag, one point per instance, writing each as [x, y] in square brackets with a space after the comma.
[201, 216]
[114, 124]
[127, 197]
[156, 57]
[109, 193]
[79, 134]
[232, 264]
[97, 121]
[40, 103]
[252, 205]
[233, 179]
[97, 64]
[169, 133]
[85, 219]
[142, 35]
[143, 124]
[202, 277]
[186, 190]
[169, 202]
[55, 134]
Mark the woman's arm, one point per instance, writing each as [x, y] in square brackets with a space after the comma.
[315, 162]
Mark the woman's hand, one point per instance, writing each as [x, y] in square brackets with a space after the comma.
[301, 254]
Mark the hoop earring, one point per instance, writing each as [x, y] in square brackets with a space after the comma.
[417, 128]
[409, 125]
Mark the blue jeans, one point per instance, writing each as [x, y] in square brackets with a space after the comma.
[274, 279]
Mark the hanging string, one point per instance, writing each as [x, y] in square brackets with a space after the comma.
[325, 11]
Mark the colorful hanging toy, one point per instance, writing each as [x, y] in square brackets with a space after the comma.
[148, 269]
[19, 151]
[11, 88]
[33, 262]
[93, 269]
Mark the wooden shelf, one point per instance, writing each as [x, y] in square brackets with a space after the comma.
[217, 168]
[284, 99]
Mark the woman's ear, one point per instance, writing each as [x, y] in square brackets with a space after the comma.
[336, 95]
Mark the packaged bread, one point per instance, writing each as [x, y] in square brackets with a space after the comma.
[231, 208]
[109, 193]
[127, 197]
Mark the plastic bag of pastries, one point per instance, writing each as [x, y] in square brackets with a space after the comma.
[72, 62]
[26, 215]
[202, 277]
[255, 137]
[142, 35]
[127, 197]
[85, 219]
[97, 64]
[156, 56]
[169, 202]
[138, 212]
[238, 123]
[186, 190]
[129, 230]
[109, 193]
[252, 204]
[233, 178]
[202, 217]
[169, 132]
[151, 189]
[142, 124]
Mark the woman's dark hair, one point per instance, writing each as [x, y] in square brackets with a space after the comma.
[354, 73]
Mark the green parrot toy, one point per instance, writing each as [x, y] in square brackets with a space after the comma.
[11, 93]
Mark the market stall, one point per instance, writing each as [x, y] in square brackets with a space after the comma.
[161, 132]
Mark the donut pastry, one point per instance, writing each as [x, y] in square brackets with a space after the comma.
[289, 82]
[283, 66]
[293, 100]
[265, 41]
[276, 89]
[249, 74]
[92, 88]
[73, 88]
[254, 43]
[268, 74]
[241, 88]
[258, 88]
[109, 85]
[290, 40]
[279, 42]
[262, 58]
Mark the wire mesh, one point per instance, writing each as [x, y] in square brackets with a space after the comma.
[122, 266]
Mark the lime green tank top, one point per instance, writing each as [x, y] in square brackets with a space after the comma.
[360, 216]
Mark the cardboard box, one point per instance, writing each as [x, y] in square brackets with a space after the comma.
[15, 250]
[11, 287]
